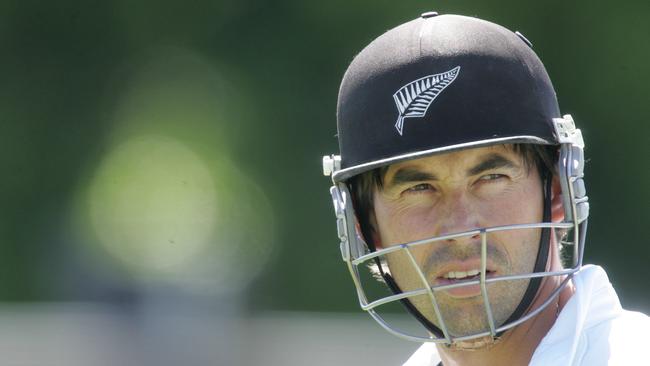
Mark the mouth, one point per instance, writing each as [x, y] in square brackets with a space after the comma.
[464, 275]
[461, 277]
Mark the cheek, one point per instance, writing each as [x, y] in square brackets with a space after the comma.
[397, 224]
[515, 206]
[521, 247]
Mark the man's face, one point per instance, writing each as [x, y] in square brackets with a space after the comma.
[452, 193]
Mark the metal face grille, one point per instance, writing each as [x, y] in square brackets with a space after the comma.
[372, 303]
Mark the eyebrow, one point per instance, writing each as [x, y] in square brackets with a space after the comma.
[492, 161]
[409, 175]
[412, 174]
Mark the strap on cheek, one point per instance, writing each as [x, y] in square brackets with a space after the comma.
[542, 256]
[410, 308]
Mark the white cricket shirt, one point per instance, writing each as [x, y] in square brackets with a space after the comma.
[591, 329]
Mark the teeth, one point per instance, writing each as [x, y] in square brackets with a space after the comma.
[462, 274]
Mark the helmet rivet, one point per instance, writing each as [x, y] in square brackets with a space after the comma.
[429, 14]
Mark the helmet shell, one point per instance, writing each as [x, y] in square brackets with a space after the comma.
[454, 82]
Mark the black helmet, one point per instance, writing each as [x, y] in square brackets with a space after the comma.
[439, 83]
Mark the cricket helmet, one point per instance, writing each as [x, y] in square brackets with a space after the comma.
[437, 84]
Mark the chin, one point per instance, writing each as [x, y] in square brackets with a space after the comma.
[478, 344]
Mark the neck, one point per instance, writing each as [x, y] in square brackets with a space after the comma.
[517, 345]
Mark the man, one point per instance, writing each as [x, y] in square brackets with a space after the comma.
[460, 187]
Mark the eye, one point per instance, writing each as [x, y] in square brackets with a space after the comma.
[422, 187]
[489, 177]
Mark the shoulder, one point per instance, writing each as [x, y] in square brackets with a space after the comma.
[426, 355]
[619, 341]
[593, 328]
[598, 305]
[624, 339]
[610, 332]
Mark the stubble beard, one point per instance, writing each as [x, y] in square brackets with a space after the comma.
[466, 317]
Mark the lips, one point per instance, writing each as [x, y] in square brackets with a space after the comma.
[465, 275]
[462, 272]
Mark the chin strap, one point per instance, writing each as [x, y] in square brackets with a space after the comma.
[410, 308]
[542, 257]
[531, 290]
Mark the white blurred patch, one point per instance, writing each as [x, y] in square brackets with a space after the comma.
[76, 334]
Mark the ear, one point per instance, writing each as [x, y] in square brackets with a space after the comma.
[376, 240]
[557, 208]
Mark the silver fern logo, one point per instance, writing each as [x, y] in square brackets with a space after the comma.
[414, 98]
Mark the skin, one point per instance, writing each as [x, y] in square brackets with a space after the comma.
[461, 191]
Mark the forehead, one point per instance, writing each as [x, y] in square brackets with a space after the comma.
[455, 161]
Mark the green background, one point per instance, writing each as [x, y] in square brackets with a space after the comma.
[259, 81]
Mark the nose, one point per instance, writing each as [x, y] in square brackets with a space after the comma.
[458, 213]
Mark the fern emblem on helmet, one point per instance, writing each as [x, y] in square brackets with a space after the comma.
[414, 98]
